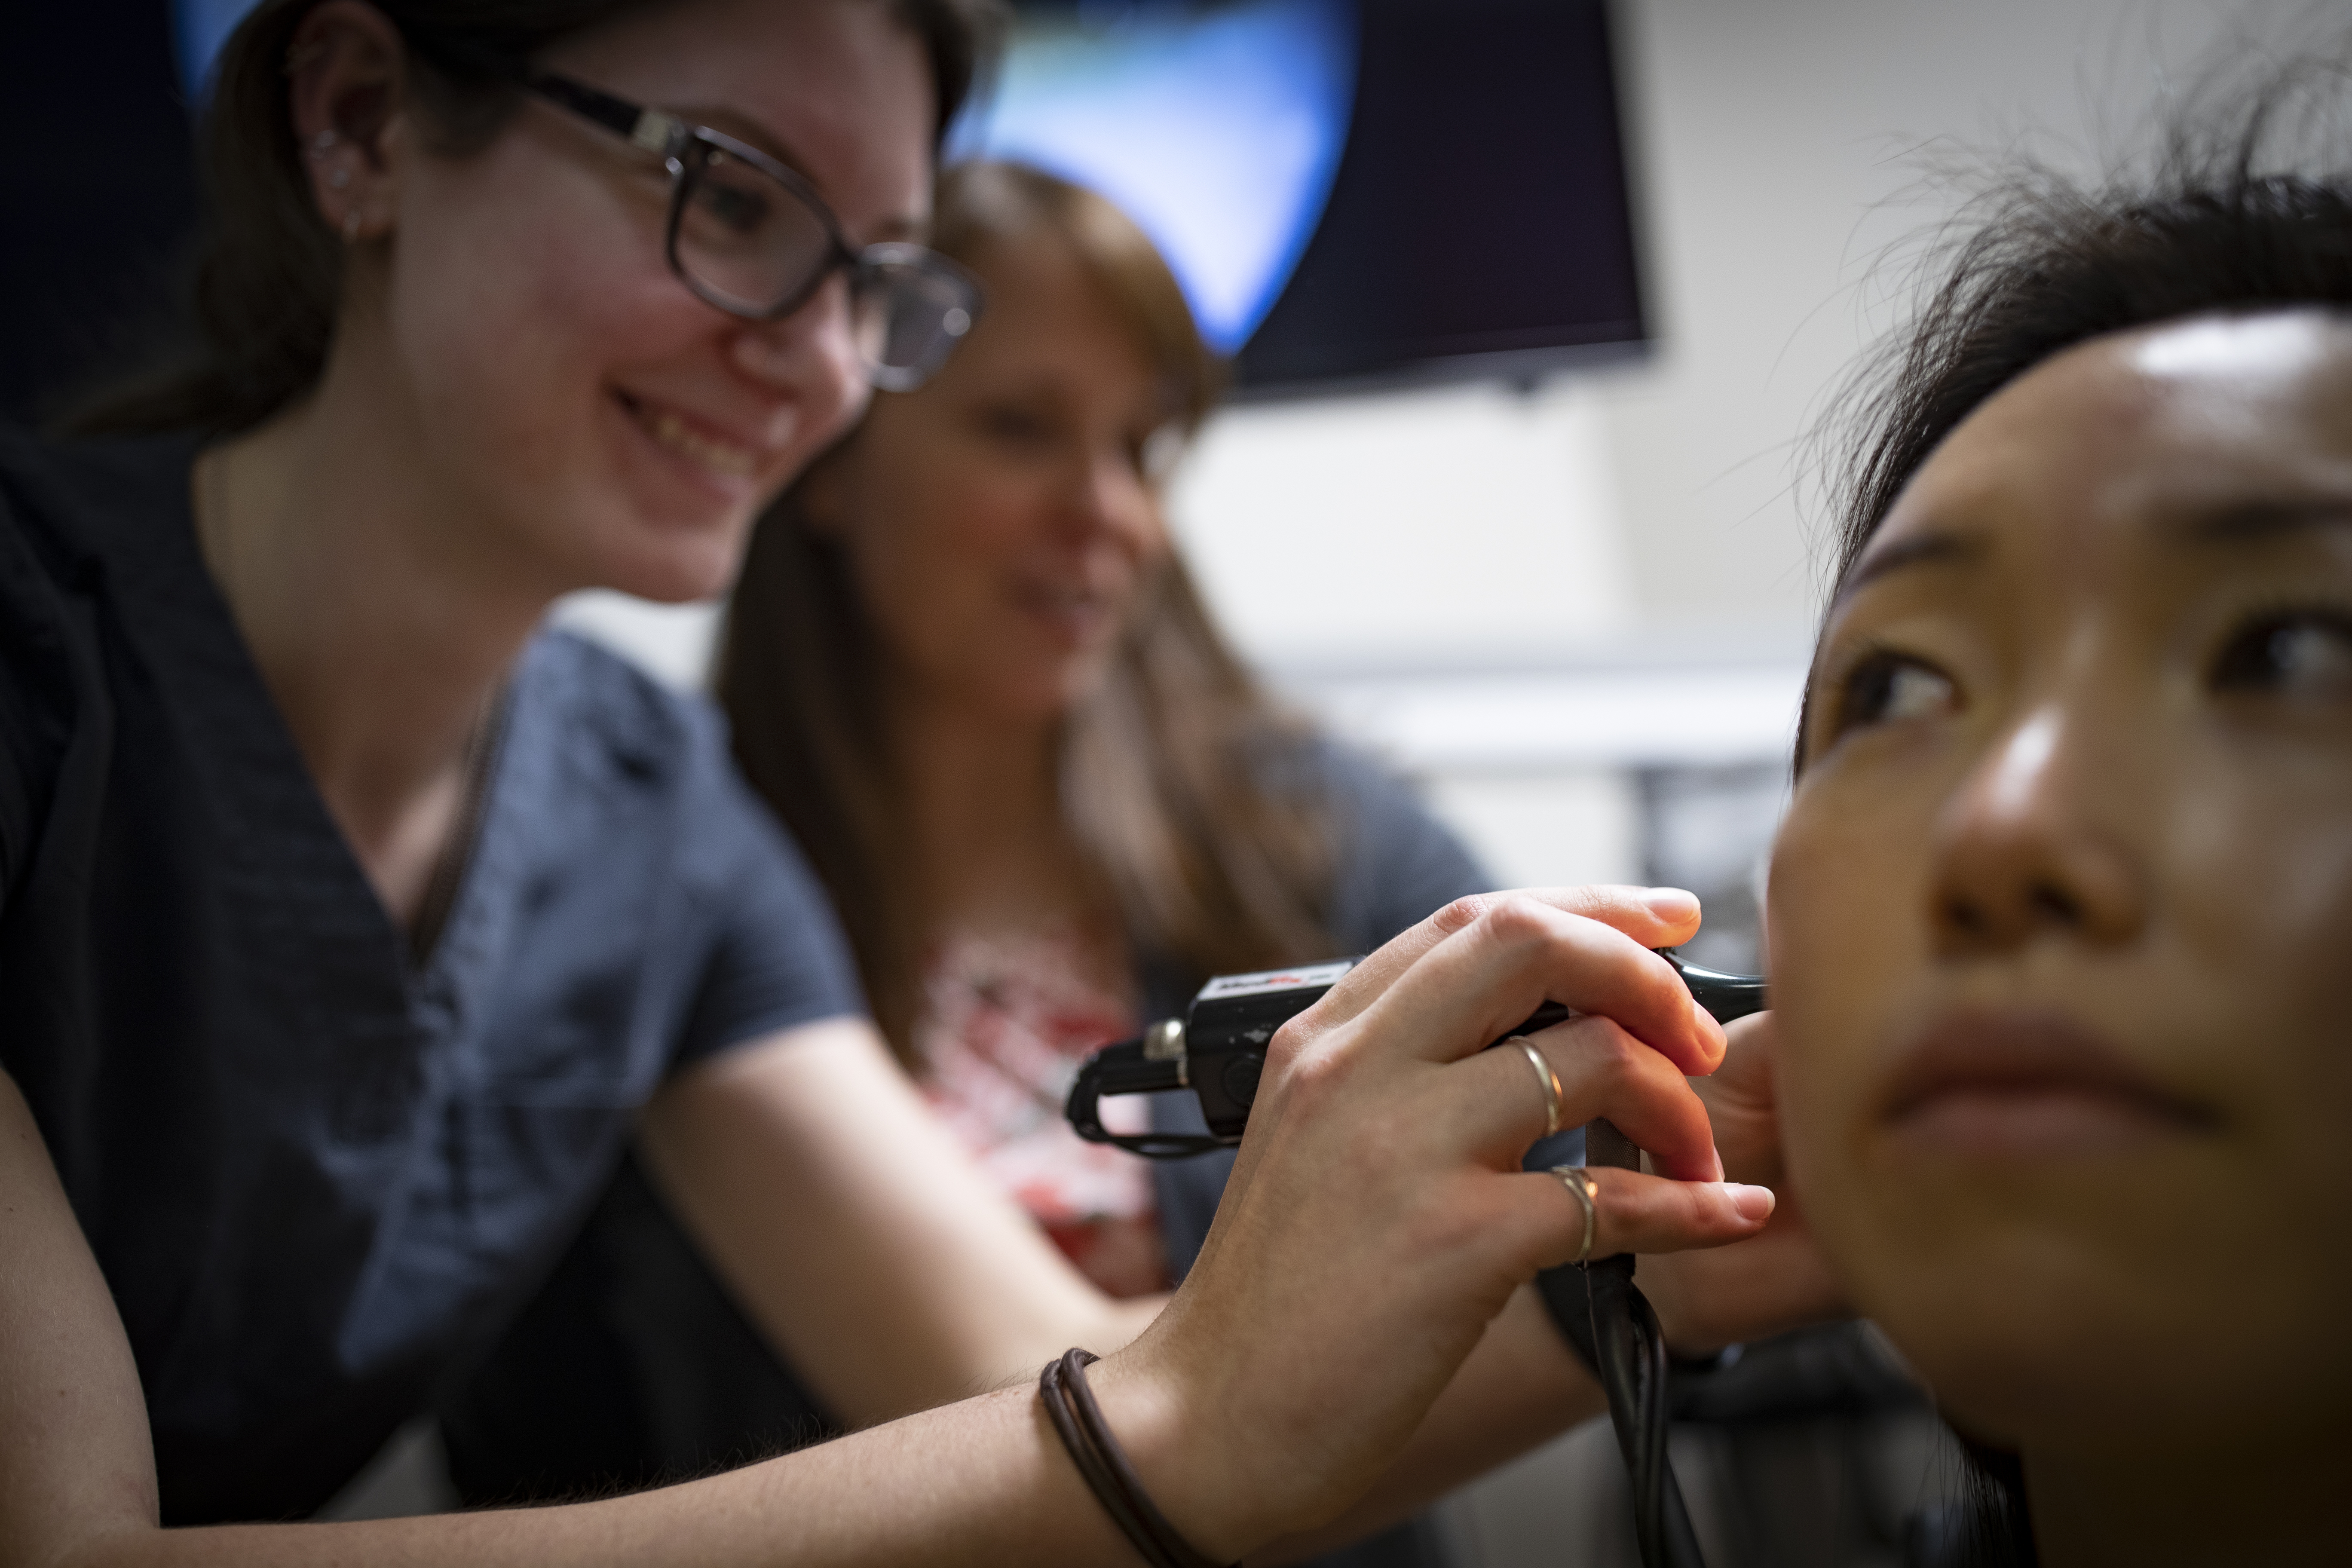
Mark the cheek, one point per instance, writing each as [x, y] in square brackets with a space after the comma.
[1848, 939]
[1146, 544]
[513, 300]
[2257, 874]
[920, 562]
[1849, 948]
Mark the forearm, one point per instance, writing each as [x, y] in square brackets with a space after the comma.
[1521, 1387]
[937, 1285]
[985, 1481]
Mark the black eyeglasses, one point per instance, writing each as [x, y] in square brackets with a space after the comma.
[749, 235]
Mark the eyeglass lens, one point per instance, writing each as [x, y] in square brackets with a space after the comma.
[748, 243]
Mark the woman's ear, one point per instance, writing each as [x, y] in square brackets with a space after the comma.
[347, 80]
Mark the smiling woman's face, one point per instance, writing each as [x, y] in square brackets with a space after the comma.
[2062, 912]
[1002, 522]
[582, 412]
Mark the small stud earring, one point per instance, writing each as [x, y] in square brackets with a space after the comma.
[340, 178]
[322, 144]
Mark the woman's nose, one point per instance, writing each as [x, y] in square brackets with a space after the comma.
[810, 354]
[2028, 849]
[1110, 495]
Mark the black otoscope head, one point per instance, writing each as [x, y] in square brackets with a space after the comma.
[1217, 1049]
[1727, 996]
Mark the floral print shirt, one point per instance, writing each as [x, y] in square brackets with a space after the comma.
[1004, 1024]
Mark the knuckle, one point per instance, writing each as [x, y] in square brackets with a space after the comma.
[1314, 1077]
[1291, 1040]
[1463, 912]
[1519, 920]
[1612, 1056]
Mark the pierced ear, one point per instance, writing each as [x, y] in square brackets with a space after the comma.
[346, 79]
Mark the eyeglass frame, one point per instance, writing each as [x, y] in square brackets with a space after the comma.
[669, 137]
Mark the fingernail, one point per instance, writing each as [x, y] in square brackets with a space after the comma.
[1752, 1202]
[1673, 905]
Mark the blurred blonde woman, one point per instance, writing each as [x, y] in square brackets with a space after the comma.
[967, 666]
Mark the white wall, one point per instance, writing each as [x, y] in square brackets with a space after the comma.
[1779, 148]
[1783, 148]
[1468, 525]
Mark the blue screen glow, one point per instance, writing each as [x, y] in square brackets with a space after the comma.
[199, 28]
[1218, 128]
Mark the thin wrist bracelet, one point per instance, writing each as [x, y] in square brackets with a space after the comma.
[1079, 1421]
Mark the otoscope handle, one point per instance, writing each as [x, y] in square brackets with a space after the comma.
[1603, 1314]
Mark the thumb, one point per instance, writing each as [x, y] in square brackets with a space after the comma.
[1743, 1103]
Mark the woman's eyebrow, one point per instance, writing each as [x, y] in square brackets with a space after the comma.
[2251, 522]
[1940, 548]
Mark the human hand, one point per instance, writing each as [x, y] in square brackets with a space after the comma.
[1377, 1217]
[1775, 1281]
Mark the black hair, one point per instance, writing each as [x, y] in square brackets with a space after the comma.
[2247, 207]
[268, 273]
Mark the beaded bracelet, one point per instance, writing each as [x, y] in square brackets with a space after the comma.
[1079, 1421]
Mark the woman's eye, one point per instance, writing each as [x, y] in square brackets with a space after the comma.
[728, 204]
[1016, 425]
[1891, 688]
[2289, 653]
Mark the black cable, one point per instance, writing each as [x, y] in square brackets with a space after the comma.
[1610, 1323]
[1613, 1330]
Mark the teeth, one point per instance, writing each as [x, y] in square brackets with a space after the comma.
[722, 455]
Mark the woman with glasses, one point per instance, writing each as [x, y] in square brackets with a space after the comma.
[349, 924]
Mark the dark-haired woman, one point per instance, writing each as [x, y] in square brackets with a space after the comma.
[967, 668]
[2060, 912]
[351, 925]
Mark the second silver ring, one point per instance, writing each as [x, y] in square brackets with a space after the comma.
[1585, 1190]
[1547, 1079]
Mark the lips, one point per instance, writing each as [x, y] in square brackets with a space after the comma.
[695, 441]
[1077, 612]
[2029, 1082]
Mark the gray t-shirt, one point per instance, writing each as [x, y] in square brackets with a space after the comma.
[319, 1172]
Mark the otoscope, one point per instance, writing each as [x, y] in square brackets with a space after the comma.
[1217, 1051]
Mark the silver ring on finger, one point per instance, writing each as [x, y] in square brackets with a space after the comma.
[1585, 1190]
[1545, 1080]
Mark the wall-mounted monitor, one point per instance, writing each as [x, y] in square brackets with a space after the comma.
[1352, 192]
